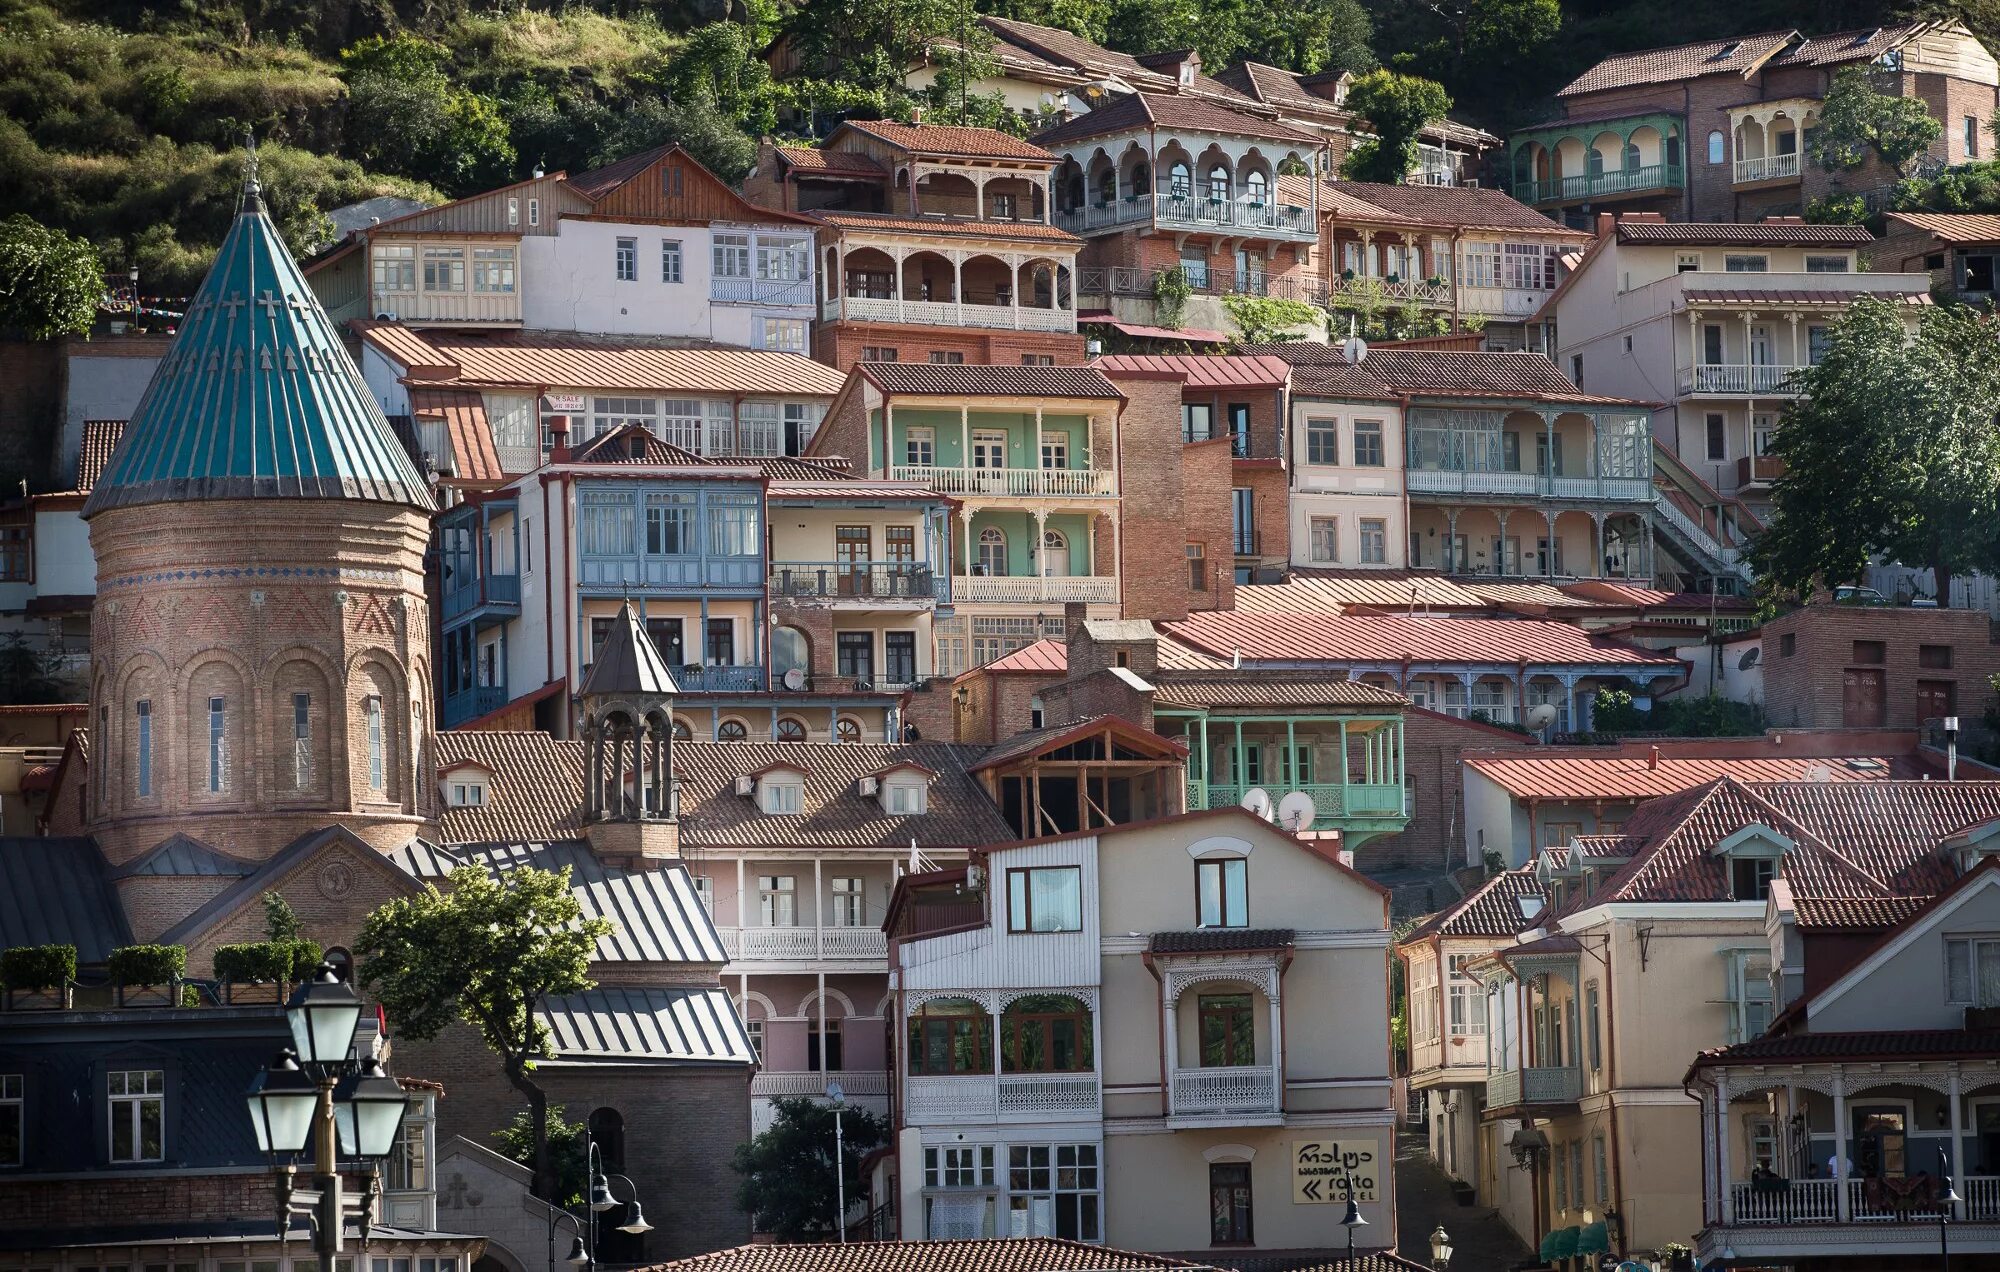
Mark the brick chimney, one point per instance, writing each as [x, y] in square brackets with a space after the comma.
[1606, 222]
[559, 439]
[1653, 757]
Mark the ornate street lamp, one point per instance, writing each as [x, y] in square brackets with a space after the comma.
[1440, 1248]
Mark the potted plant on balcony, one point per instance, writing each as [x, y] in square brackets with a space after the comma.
[38, 977]
[261, 971]
[1675, 1257]
[148, 975]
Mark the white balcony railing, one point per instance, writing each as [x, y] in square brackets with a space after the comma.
[1194, 211]
[1243, 1090]
[1799, 1201]
[1767, 168]
[1737, 377]
[762, 291]
[1501, 302]
[1422, 291]
[1047, 1096]
[948, 313]
[447, 306]
[934, 1101]
[803, 944]
[1528, 485]
[852, 1082]
[1028, 482]
[1033, 589]
[1508, 1087]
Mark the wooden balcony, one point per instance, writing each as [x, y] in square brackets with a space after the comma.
[1528, 485]
[1540, 1086]
[1758, 470]
[1015, 482]
[1767, 168]
[949, 313]
[1197, 212]
[1647, 179]
[464, 307]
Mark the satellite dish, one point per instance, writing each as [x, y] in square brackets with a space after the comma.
[1749, 658]
[1258, 801]
[1355, 350]
[1296, 811]
[795, 679]
[1818, 773]
[1541, 716]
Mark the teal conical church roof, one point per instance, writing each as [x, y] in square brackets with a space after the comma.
[256, 398]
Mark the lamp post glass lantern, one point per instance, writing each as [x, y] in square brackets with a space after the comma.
[282, 1101]
[368, 1111]
[1440, 1248]
[323, 1014]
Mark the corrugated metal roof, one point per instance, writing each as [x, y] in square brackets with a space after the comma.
[1204, 371]
[58, 892]
[1192, 335]
[1044, 656]
[256, 397]
[1573, 776]
[969, 380]
[1334, 592]
[182, 856]
[1190, 689]
[1954, 227]
[1796, 296]
[1535, 592]
[678, 1025]
[657, 917]
[951, 139]
[779, 491]
[1785, 233]
[559, 360]
[1290, 638]
[464, 416]
[1017, 1254]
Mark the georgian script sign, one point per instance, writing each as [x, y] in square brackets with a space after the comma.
[1324, 1170]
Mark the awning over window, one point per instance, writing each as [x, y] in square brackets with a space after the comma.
[1591, 1238]
[1560, 1243]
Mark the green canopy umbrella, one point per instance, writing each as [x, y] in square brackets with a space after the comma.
[1591, 1239]
[1560, 1243]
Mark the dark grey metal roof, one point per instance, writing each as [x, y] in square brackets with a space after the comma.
[58, 892]
[256, 882]
[656, 915]
[673, 1025]
[183, 856]
[628, 663]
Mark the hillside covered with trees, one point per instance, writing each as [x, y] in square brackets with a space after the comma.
[120, 121]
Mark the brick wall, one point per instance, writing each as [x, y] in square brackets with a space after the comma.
[840, 344]
[1100, 693]
[1207, 474]
[1811, 660]
[1152, 512]
[1270, 494]
[30, 413]
[844, 430]
[997, 705]
[763, 188]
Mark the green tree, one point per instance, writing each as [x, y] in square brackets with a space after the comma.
[1891, 450]
[30, 676]
[50, 282]
[1310, 36]
[1490, 52]
[1855, 120]
[871, 44]
[486, 953]
[788, 1186]
[719, 63]
[281, 922]
[406, 115]
[696, 125]
[516, 1141]
[1396, 108]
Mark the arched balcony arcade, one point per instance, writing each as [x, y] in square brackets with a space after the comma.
[1214, 184]
[949, 287]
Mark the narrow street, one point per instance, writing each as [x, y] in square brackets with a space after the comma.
[1480, 1242]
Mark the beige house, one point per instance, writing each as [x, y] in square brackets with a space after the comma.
[1659, 950]
[1102, 1045]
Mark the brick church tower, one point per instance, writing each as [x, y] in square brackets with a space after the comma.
[260, 644]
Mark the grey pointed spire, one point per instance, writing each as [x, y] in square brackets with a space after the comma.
[628, 664]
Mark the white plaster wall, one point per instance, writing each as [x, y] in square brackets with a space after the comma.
[64, 564]
[380, 374]
[99, 389]
[569, 283]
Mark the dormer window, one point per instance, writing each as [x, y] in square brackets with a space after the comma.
[1750, 877]
[1187, 73]
[466, 792]
[905, 798]
[1751, 858]
[903, 789]
[777, 794]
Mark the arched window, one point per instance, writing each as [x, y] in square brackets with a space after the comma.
[847, 729]
[682, 731]
[993, 551]
[1593, 162]
[607, 1131]
[341, 961]
[1631, 156]
[789, 650]
[1254, 189]
[1218, 184]
[950, 1035]
[791, 729]
[1055, 554]
[731, 731]
[1142, 180]
[1045, 1033]
[1180, 181]
[1107, 187]
[1715, 146]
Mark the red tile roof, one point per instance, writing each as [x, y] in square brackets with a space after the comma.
[1917, 1044]
[1573, 776]
[969, 380]
[1204, 371]
[1789, 233]
[616, 447]
[1483, 373]
[845, 162]
[563, 360]
[537, 789]
[1971, 227]
[100, 439]
[947, 139]
[833, 813]
[1863, 44]
[1456, 206]
[1030, 1254]
[1140, 111]
[1862, 914]
[955, 226]
[1491, 909]
[1286, 638]
[1682, 61]
[1221, 940]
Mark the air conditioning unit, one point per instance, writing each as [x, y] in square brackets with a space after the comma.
[1469, 185]
[975, 878]
[387, 315]
[870, 785]
[745, 784]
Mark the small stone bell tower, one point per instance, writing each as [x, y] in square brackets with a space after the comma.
[628, 731]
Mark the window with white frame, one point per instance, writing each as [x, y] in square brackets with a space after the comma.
[626, 260]
[680, 423]
[1423, 1002]
[1482, 264]
[779, 794]
[1052, 1191]
[1368, 444]
[1530, 266]
[218, 744]
[1467, 999]
[1972, 971]
[1222, 887]
[13, 1119]
[493, 270]
[849, 902]
[1045, 899]
[904, 798]
[1325, 540]
[604, 523]
[1374, 541]
[371, 710]
[784, 259]
[670, 260]
[534, 211]
[1747, 992]
[919, 447]
[1055, 450]
[759, 429]
[1830, 264]
[1323, 442]
[138, 1111]
[512, 420]
[467, 791]
[444, 269]
[408, 1168]
[607, 413]
[778, 896]
[1746, 264]
[704, 891]
[802, 420]
[783, 335]
[754, 1029]
[732, 255]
